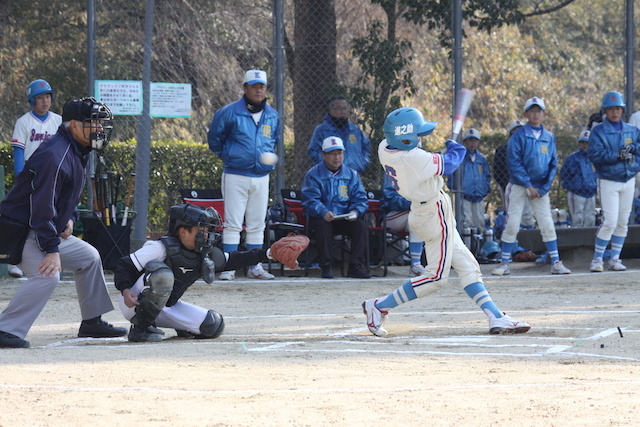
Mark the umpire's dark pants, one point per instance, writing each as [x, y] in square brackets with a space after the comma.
[324, 231]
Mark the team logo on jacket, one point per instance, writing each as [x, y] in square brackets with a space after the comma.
[185, 270]
[266, 131]
[352, 139]
[544, 149]
[344, 192]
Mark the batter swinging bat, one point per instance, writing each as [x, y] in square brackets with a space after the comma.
[462, 108]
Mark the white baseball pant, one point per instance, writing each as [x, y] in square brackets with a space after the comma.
[245, 200]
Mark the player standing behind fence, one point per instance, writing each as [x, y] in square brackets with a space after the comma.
[240, 132]
[579, 179]
[613, 147]
[418, 176]
[476, 181]
[532, 161]
[33, 128]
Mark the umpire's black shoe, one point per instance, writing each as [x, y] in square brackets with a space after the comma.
[356, 271]
[100, 329]
[140, 334]
[8, 340]
[327, 271]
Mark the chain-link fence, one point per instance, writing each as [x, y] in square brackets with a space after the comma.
[377, 54]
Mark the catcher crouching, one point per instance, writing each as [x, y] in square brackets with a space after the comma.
[153, 279]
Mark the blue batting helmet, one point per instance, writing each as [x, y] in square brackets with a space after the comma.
[613, 99]
[403, 127]
[490, 250]
[37, 88]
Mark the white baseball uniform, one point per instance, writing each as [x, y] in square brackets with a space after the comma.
[30, 131]
[417, 175]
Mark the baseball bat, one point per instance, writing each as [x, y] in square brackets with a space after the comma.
[129, 193]
[107, 198]
[463, 100]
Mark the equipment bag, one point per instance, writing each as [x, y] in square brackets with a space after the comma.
[13, 235]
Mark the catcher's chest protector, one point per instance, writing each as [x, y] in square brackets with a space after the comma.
[185, 264]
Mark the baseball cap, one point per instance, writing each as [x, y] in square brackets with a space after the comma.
[252, 77]
[515, 124]
[332, 143]
[471, 133]
[584, 135]
[534, 101]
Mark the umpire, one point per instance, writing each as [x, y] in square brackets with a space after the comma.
[44, 198]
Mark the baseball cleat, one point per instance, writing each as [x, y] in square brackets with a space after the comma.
[596, 265]
[507, 325]
[375, 318]
[559, 268]
[258, 272]
[616, 265]
[228, 275]
[502, 269]
[417, 270]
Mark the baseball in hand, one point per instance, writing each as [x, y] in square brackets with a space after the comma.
[268, 158]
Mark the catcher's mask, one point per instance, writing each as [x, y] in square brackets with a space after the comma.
[207, 220]
[95, 117]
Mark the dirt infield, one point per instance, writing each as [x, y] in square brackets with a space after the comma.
[296, 352]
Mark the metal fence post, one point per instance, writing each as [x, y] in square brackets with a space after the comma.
[4, 269]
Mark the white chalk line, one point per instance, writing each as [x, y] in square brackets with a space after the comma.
[571, 384]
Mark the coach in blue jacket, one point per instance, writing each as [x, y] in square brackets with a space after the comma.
[239, 134]
[336, 122]
[331, 188]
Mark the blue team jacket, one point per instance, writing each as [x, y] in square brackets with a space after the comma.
[48, 190]
[532, 162]
[476, 179]
[578, 175]
[392, 200]
[357, 146]
[604, 146]
[340, 193]
[238, 141]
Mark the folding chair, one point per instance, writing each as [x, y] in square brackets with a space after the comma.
[210, 197]
[284, 225]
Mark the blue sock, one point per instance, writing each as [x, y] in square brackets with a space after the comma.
[415, 249]
[479, 294]
[552, 248]
[616, 246]
[506, 251]
[601, 246]
[401, 295]
[228, 247]
[249, 247]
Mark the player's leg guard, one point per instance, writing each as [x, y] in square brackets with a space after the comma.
[212, 326]
[159, 278]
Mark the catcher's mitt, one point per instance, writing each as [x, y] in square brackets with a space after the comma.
[287, 249]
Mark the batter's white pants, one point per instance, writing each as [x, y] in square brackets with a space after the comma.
[582, 210]
[182, 316]
[616, 199]
[245, 200]
[516, 197]
[77, 256]
[434, 223]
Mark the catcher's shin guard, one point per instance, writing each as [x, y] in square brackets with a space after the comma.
[212, 326]
[159, 278]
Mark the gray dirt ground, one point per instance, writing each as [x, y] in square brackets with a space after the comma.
[296, 352]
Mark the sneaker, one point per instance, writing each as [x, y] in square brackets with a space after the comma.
[501, 270]
[356, 271]
[100, 329]
[507, 325]
[417, 270]
[596, 265]
[559, 268]
[8, 340]
[616, 265]
[139, 334]
[327, 271]
[257, 272]
[375, 318]
[228, 275]
[15, 271]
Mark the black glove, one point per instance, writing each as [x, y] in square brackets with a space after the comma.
[625, 153]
